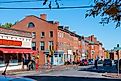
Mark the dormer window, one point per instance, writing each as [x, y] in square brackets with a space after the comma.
[31, 25]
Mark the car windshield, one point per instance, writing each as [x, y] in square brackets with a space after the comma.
[60, 40]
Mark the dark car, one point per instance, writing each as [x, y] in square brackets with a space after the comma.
[90, 61]
[14, 78]
[107, 62]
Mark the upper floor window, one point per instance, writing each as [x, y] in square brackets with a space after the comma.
[42, 34]
[33, 34]
[42, 45]
[51, 45]
[33, 45]
[31, 25]
[51, 33]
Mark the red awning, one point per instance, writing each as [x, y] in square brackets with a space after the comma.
[9, 50]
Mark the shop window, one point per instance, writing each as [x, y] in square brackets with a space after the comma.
[42, 45]
[56, 55]
[59, 55]
[31, 25]
[11, 58]
[20, 59]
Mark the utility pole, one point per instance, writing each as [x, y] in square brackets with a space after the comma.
[117, 52]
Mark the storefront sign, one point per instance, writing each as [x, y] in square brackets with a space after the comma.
[10, 42]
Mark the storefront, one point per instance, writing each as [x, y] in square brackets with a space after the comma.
[56, 59]
[15, 48]
[69, 56]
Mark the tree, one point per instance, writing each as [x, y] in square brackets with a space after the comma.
[109, 10]
[7, 25]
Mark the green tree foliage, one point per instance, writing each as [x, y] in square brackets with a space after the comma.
[109, 10]
[7, 25]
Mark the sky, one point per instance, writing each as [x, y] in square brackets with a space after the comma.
[74, 18]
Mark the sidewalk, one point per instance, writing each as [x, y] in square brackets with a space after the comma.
[112, 75]
[41, 70]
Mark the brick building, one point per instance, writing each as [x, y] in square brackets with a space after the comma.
[57, 44]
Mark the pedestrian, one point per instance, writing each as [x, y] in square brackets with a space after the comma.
[37, 64]
[96, 62]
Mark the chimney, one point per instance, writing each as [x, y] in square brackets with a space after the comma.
[43, 16]
[92, 37]
[57, 23]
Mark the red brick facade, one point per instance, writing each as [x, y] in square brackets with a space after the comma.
[63, 39]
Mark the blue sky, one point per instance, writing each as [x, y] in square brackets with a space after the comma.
[74, 18]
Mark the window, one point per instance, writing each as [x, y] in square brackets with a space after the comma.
[42, 34]
[42, 45]
[33, 45]
[33, 34]
[11, 58]
[31, 25]
[51, 33]
[51, 45]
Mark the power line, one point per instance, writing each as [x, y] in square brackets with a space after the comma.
[20, 1]
[12, 8]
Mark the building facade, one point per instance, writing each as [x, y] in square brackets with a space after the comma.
[15, 47]
[57, 44]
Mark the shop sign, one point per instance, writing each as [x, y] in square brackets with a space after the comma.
[10, 42]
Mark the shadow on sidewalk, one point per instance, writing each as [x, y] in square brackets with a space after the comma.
[101, 69]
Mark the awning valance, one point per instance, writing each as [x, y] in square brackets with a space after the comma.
[19, 50]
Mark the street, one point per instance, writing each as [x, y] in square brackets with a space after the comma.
[82, 73]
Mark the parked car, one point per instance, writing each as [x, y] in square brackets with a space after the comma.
[84, 62]
[90, 61]
[119, 65]
[100, 61]
[14, 78]
[107, 62]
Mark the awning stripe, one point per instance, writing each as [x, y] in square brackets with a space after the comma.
[19, 50]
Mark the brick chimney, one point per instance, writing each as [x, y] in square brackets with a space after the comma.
[92, 38]
[43, 16]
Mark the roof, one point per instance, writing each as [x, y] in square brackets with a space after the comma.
[10, 31]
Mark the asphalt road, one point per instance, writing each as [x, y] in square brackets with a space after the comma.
[67, 78]
[83, 73]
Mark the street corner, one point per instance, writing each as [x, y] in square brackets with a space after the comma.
[112, 75]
